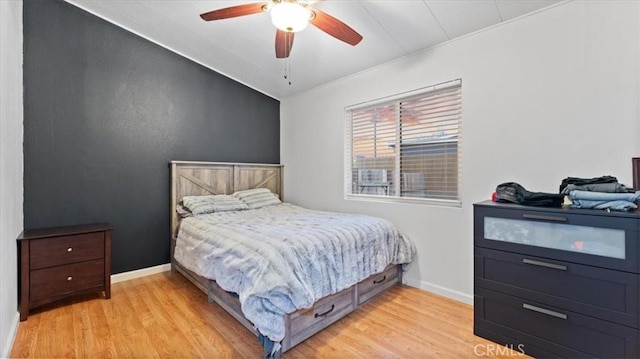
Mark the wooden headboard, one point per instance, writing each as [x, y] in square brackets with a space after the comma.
[204, 178]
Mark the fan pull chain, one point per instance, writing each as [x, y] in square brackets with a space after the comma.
[287, 70]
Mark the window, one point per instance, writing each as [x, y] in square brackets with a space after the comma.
[406, 146]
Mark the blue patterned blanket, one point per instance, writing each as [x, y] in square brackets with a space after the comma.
[282, 258]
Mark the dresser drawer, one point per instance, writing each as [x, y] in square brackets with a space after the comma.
[376, 284]
[601, 293]
[50, 284]
[323, 313]
[588, 237]
[49, 252]
[562, 332]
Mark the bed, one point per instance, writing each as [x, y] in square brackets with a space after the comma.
[294, 325]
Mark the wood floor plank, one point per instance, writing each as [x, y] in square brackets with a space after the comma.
[206, 342]
[27, 335]
[165, 316]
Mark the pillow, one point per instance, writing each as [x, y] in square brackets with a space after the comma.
[182, 211]
[257, 198]
[214, 203]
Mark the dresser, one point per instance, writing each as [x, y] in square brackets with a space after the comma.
[553, 282]
[57, 263]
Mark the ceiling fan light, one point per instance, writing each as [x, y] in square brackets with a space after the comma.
[290, 17]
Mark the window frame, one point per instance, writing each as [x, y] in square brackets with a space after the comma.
[396, 100]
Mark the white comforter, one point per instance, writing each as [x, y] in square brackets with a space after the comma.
[282, 258]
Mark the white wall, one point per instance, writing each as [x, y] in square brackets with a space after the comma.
[11, 169]
[550, 95]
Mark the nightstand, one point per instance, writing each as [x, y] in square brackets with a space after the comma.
[57, 263]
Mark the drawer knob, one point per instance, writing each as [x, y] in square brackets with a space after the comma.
[316, 315]
[545, 218]
[380, 280]
[543, 264]
[69, 249]
[69, 279]
[544, 311]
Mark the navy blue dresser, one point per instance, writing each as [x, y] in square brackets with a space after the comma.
[557, 282]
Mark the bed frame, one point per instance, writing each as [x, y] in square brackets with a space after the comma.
[205, 178]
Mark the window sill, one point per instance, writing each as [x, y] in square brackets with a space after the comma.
[409, 200]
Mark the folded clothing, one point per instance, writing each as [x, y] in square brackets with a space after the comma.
[600, 200]
[612, 187]
[601, 196]
[618, 205]
[514, 193]
[585, 181]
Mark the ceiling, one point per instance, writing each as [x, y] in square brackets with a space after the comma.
[243, 48]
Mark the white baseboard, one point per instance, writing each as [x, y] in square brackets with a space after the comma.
[6, 351]
[443, 291]
[121, 277]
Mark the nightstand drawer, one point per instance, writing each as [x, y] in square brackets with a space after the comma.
[601, 293]
[564, 333]
[49, 252]
[50, 284]
[376, 284]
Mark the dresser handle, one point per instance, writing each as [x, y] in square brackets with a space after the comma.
[544, 311]
[544, 218]
[333, 306]
[69, 279]
[380, 280]
[544, 264]
[69, 249]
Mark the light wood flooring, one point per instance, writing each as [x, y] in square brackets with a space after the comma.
[165, 316]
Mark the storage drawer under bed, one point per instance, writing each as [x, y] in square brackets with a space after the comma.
[377, 283]
[323, 313]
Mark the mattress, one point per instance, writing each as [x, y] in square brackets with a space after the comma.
[282, 258]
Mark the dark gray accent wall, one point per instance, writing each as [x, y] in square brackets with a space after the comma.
[105, 112]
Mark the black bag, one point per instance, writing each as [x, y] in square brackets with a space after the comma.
[512, 192]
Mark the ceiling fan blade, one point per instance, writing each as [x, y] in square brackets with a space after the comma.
[284, 43]
[335, 27]
[233, 11]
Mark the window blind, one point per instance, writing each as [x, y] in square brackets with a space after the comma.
[406, 146]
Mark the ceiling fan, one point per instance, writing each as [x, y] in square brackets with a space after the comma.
[289, 17]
